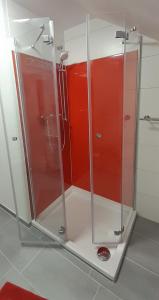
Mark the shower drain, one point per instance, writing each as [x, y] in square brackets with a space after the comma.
[103, 253]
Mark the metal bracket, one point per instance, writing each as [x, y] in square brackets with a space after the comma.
[118, 232]
[61, 230]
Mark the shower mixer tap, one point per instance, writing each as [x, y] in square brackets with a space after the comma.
[98, 135]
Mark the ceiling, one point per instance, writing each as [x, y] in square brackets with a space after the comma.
[67, 13]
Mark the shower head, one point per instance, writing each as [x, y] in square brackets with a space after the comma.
[63, 56]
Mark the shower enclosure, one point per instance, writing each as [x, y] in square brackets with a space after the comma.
[78, 109]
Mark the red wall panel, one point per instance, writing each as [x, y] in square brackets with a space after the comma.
[78, 109]
[129, 127]
[107, 102]
[106, 94]
[40, 116]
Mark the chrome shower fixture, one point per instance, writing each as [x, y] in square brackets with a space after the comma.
[134, 28]
[63, 56]
[42, 27]
[122, 35]
[47, 39]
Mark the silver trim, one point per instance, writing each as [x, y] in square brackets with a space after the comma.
[149, 119]
[137, 119]
[51, 26]
[90, 123]
[25, 140]
[21, 106]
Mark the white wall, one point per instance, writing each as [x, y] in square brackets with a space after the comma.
[148, 142]
[103, 44]
[101, 38]
[10, 109]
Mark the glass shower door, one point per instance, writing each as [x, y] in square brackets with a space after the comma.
[105, 83]
[112, 70]
[35, 73]
[132, 57]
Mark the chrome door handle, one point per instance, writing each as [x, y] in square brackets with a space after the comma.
[98, 135]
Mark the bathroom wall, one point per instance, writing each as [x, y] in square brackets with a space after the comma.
[11, 114]
[148, 141]
[102, 41]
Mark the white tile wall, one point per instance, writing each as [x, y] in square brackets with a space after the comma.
[150, 72]
[148, 142]
[102, 41]
[10, 107]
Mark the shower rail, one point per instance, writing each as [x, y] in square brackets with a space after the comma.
[150, 119]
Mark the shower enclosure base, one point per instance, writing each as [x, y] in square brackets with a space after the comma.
[79, 228]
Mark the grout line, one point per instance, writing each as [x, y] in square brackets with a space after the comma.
[4, 275]
[88, 274]
[71, 262]
[12, 265]
[16, 269]
[31, 260]
[147, 238]
[149, 88]
[21, 275]
[5, 224]
[148, 56]
[141, 266]
[96, 293]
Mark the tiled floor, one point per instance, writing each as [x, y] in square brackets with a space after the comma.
[56, 274]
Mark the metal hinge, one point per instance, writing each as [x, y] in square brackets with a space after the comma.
[118, 232]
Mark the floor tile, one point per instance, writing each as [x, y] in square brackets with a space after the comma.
[10, 245]
[147, 228]
[101, 279]
[134, 283]
[4, 266]
[144, 252]
[16, 278]
[34, 231]
[104, 294]
[58, 279]
[4, 218]
[74, 259]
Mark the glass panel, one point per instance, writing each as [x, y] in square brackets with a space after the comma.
[130, 112]
[35, 72]
[105, 78]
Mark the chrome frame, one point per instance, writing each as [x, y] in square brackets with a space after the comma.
[90, 130]
[110, 244]
[51, 26]
[138, 81]
[137, 118]
[26, 146]
[90, 123]
[25, 139]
